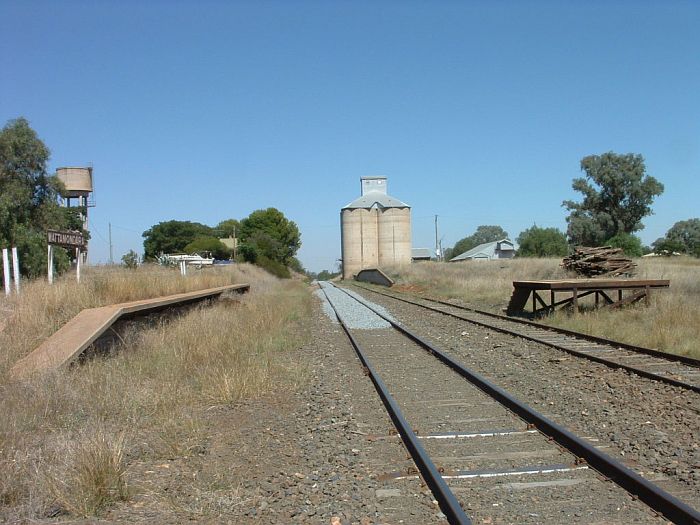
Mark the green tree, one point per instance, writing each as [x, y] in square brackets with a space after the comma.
[483, 234]
[630, 244]
[228, 228]
[542, 242]
[172, 237]
[202, 245]
[668, 247]
[683, 237]
[270, 234]
[296, 265]
[29, 199]
[326, 275]
[617, 195]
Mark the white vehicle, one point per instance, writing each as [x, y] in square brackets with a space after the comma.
[195, 260]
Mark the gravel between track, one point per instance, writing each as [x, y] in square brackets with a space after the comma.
[353, 314]
[652, 427]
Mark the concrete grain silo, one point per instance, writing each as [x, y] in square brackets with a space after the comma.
[375, 229]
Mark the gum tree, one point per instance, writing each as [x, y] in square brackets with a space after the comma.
[617, 195]
[29, 199]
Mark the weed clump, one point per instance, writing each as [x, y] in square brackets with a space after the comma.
[92, 475]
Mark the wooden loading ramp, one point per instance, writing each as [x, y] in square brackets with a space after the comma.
[636, 289]
[79, 333]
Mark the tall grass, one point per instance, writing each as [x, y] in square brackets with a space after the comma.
[67, 438]
[41, 309]
[671, 323]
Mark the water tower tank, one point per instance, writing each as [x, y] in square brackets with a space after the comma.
[78, 181]
[375, 229]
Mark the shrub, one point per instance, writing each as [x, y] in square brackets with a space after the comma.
[542, 242]
[130, 259]
[274, 267]
[629, 243]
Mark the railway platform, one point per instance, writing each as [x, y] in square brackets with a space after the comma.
[609, 293]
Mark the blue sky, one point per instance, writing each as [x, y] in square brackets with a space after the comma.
[479, 112]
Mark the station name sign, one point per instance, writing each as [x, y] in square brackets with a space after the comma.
[68, 239]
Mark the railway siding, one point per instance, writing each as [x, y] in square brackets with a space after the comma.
[669, 368]
[648, 425]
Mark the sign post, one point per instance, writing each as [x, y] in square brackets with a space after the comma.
[67, 240]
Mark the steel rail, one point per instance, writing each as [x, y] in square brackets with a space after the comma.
[647, 492]
[596, 339]
[446, 499]
[611, 364]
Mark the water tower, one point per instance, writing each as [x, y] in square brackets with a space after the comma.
[78, 185]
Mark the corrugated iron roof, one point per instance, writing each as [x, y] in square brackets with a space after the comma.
[422, 253]
[487, 249]
[376, 198]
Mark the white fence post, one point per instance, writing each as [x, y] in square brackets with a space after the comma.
[50, 267]
[6, 271]
[77, 264]
[15, 268]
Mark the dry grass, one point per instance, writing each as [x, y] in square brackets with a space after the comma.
[68, 438]
[41, 309]
[671, 323]
[483, 283]
[91, 476]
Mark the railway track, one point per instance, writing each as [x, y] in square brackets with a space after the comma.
[467, 435]
[681, 371]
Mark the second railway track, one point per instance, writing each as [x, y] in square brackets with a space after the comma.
[476, 434]
[681, 371]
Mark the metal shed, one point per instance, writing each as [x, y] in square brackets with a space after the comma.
[503, 249]
[422, 254]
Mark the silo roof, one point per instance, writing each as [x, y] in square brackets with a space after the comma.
[376, 198]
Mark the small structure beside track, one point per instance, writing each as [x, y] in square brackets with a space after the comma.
[575, 289]
[678, 370]
[72, 339]
[374, 276]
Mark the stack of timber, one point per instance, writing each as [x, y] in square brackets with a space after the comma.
[598, 262]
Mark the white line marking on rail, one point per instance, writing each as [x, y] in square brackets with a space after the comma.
[476, 474]
[459, 435]
[518, 473]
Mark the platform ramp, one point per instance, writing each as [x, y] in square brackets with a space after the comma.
[73, 338]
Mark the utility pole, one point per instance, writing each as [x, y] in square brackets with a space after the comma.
[111, 258]
[437, 243]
